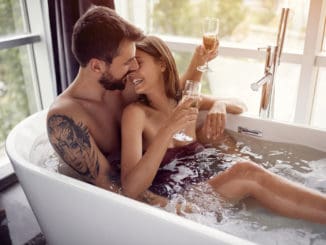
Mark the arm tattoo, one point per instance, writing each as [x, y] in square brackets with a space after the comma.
[72, 142]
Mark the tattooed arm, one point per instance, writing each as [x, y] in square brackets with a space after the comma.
[74, 144]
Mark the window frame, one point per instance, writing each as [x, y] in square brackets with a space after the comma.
[39, 48]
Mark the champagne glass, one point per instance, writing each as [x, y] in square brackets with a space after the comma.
[191, 91]
[210, 32]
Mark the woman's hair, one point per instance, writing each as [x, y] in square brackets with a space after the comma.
[157, 48]
[98, 34]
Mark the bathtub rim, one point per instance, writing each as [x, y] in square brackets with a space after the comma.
[191, 226]
[290, 132]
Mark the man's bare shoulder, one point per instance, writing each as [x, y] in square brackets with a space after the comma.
[66, 112]
[64, 103]
[69, 107]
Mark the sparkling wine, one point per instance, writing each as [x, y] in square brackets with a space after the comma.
[195, 99]
[210, 32]
[191, 91]
[209, 41]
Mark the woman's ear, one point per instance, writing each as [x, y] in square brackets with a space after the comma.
[163, 65]
[98, 66]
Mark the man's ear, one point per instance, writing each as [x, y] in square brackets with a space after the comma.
[98, 66]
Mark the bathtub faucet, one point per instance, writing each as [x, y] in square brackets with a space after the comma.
[3, 89]
[268, 72]
[273, 55]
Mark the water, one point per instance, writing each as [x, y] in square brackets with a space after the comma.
[245, 219]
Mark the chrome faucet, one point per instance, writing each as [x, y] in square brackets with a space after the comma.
[3, 89]
[273, 55]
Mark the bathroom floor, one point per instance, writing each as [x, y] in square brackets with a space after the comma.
[18, 224]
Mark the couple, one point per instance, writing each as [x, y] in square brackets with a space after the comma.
[84, 121]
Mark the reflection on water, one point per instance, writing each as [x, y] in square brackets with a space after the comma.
[245, 219]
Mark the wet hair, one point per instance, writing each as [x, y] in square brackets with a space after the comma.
[158, 49]
[98, 34]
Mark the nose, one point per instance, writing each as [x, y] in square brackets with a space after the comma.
[131, 76]
[134, 65]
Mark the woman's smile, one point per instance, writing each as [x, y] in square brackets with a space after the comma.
[137, 81]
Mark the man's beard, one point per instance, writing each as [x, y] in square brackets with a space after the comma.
[110, 83]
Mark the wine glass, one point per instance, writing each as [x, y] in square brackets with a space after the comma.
[210, 32]
[191, 91]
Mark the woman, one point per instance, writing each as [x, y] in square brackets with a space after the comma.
[148, 127]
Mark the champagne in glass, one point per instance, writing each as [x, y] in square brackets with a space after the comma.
[209, 41]
[210, 32]
[191, 90]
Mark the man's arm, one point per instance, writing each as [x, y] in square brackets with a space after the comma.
[71, 139]
[214, 124]
[232, 105]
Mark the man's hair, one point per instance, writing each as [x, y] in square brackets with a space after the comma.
[158, 49]
[98, 34]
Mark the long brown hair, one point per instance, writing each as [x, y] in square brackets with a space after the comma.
[158, 49]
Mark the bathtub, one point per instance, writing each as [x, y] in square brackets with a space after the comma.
[70, 211]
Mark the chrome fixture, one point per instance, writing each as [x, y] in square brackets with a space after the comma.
[3, 88]
[251, 132]
[273, 55]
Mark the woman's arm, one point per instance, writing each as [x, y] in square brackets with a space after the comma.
[138, 170]
[199, 57]
[137, 173]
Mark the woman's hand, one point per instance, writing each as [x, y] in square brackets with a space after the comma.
[202, 55]
[199, 58]
[183, 116]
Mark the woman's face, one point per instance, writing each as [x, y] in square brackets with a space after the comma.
[149, 75]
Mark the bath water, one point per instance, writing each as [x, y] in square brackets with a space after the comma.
[245, 219]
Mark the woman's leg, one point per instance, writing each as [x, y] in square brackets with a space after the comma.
[272, 191]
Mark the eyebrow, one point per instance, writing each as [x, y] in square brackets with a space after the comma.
[129, 60]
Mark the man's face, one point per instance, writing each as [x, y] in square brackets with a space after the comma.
[115, 76]
[110, 83]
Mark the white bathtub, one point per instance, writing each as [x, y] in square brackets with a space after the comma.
[73, 212]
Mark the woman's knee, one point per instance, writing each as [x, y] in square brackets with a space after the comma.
[236, 182]
[244, 167]
[247, 170]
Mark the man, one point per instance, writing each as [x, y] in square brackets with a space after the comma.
[84, 121]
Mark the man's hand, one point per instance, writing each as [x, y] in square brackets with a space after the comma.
[215, 121]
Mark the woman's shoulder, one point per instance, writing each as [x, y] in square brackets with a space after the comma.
[134, 109]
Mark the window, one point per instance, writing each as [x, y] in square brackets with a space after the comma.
[246, 26]
[324, 38]
[24, 60]
[19, 98]
[318, 116]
